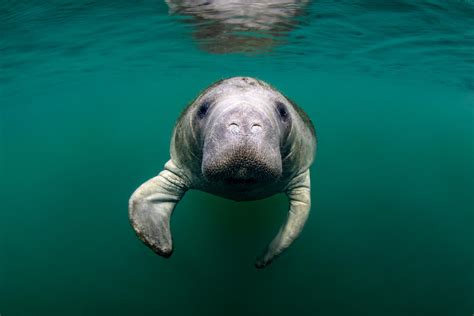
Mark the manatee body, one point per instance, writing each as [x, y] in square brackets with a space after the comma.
[240, 139]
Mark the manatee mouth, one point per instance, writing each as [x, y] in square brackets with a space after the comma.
[237, 181]
[242, 166]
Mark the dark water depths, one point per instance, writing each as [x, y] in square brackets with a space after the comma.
[90, 91]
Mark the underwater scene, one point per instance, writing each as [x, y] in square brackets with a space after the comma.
[90, 93]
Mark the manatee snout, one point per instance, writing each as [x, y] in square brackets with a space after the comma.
[242, 165]
[241, 147]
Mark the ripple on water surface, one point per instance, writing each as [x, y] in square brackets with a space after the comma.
[431, 39]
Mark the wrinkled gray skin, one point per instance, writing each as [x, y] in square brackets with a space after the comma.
[240, 139]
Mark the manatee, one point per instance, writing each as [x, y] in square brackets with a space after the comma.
[223, 26]
[240, 139]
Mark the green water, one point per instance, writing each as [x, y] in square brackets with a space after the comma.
[89, 94]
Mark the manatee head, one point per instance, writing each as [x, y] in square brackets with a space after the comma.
[240, 133]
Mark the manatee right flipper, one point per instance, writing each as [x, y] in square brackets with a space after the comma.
[151, 207]
[299, 194]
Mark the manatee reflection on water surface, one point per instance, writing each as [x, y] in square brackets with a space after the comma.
[239, 26]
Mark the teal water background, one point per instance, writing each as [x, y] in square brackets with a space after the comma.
[89, 94]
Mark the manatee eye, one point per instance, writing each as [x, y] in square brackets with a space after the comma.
[282, 111]
[203, 108]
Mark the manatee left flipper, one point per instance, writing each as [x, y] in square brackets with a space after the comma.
[299, 194]
[151, 207]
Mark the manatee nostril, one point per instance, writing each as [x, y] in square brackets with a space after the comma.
[256, 128]
[234, 127]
